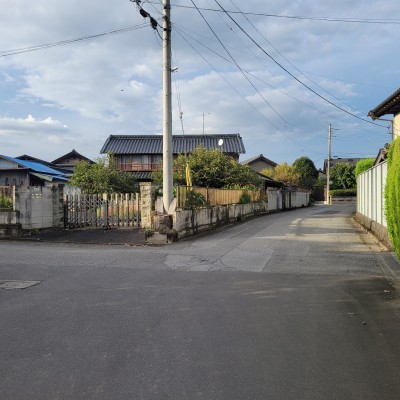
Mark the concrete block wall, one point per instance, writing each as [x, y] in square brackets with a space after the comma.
[40, 207]
[188, 222]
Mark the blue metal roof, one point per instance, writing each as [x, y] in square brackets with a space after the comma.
[34, 166]
[152, 144]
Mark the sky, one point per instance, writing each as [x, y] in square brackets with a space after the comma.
[278, 73]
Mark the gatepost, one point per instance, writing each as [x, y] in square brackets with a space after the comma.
[147, 199]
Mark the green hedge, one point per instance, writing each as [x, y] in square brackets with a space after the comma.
[343, 192]
[364, 165]
[392, 195]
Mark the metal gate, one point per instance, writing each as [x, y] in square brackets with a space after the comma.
[100, 211]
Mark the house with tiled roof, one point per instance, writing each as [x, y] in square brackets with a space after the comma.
[389, 106]
[259, 163]
[142, 154]
[69, 160]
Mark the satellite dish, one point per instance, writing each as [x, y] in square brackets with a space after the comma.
[220, 142]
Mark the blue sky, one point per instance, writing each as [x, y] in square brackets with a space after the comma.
[242, 75]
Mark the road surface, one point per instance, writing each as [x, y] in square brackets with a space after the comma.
[294, 305]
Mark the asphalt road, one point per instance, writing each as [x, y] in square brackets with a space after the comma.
[296, 305]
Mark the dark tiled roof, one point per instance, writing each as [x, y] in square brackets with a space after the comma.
[258, 158]
[143, 175]
[152, 144]
[389, 106]
[71, 154]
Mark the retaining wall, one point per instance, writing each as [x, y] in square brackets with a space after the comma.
[188, 222]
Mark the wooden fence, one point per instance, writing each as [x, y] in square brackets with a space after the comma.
[214, 197]
[104, 210]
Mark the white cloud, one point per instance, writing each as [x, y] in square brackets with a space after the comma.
[113, 84]
[29, 125]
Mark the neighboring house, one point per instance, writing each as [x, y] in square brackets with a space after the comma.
[259, 163]
[268, 182]
[390, 106]
[350, 161]
[142, 154]
[68, 161]
[17, 172]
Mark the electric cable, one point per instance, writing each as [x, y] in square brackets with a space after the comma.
[7, 53]
[293, 76]
[238, 66]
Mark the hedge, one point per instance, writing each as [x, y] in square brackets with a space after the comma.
[364, 165]
[343, 192]
[392, 195]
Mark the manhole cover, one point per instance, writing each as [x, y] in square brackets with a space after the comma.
[17, 284]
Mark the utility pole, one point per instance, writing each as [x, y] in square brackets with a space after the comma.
[167, 107]
[203, 120]
[328, 176]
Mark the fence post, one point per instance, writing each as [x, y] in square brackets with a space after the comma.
[104, 207]
[137, 210]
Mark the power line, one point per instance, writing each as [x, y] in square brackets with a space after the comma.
[238, 66]
[293, 76]
[7, 53]
[287, 60]
[384, 21]
[301, 146]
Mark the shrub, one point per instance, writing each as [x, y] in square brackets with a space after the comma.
[392, 195]
[245, 198]
[194, 200]
[343, 192]
[6, 203]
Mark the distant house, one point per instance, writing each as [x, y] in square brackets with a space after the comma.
[142, 154]
[259, 163]
[69, 160]
[350, 161]
[18, 172]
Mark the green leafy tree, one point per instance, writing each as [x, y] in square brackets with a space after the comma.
[364, 165]
[102, 177]
[342, 176]
[283, 173]
[210, 168]
[307, 172]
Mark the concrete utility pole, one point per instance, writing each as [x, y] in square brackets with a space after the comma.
[328, 176]
[167, 108]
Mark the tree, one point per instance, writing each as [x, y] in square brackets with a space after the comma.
[102, 177]
[283, 173]
[305, 168]
[211, 168]
[342, 176]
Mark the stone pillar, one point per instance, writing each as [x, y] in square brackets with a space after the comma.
[58, 205]
[147, 199]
